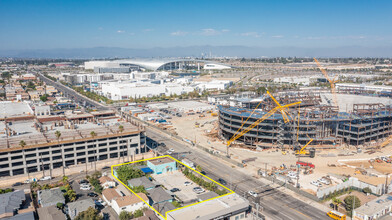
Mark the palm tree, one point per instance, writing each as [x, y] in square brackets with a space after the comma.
[58, 135]
[22, 143]
[121, 129]
[336, 202]
[93, 135]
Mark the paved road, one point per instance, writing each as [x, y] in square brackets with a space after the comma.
[276, 204]
[68, 92]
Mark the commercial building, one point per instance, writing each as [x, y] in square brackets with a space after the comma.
[43, 151]
[157, 64]
[374, 209]
[231, 207]
[162, 165]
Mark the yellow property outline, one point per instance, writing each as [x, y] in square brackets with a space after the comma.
[165, 217]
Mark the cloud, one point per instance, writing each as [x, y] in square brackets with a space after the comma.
[148, 30]
[120, 31]
[100, 28]
[212, 32]
[349, 37]
[132, 33]
[251, 34]
[179, 33]
[277, 36]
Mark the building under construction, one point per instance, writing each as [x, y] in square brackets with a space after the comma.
[311, 119]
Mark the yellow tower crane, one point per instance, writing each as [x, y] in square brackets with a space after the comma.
[331, 82]
[282, 108]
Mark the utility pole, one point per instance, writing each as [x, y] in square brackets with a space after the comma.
[298, 168]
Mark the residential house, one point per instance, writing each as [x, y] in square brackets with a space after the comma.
[159, 195]
[49, 197]
[50, 213]
[74, 208]
[13, 203]
[164, 207]
[107, 182]
[109, 195]
[130, 203]
[162, 165]
[148, 215]
[141, 181]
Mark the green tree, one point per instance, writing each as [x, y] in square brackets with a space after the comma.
[127, 172]
[60, 205]
[367, 190]
[336, 202]
[44, 98]
[198, 168]
[90, 214]
[349, 201]
[138, 213]
[139, 189]
[176, 204]
[58, 135]
[70, 195]
[124, 215]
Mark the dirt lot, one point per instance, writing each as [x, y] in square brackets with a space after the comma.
[326, 161]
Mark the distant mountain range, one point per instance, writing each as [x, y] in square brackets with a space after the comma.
[197, 51]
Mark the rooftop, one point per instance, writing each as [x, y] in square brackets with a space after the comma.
[10, 109]
[110, 194]
[130, 200]
[211, 209]
[74, 208]
[50, 213]
[160, 161]
[375, 206]
[141, 181]
[159, 195]
[9, 202]
[49, 197]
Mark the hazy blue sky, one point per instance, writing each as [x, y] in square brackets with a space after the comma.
[35, 24]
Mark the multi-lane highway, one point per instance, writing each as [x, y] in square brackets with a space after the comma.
[68, 92]
[275, 204]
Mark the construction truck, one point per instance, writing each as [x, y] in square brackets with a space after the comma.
[302, 152]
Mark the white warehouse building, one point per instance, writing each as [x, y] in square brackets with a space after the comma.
[126, 90]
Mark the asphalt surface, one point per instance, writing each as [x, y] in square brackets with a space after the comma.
[76, 97]
[275, 204]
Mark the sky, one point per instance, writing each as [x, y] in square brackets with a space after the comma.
[27, 24]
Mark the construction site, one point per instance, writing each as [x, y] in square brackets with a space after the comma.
[319, 141]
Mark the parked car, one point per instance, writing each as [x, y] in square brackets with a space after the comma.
[169, 152]
[171, 149]
[175, 190]
[316, 183]
[85, 187]
[83, 181]
[203, 172]
[17, 184]
[187, 183]
[198, 190]
[222, 181]
[252, 193]
[45, 178]
[92, 194]
[106, 167]
[162, 144]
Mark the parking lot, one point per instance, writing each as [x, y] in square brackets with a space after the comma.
[81, 194]
[176, 180]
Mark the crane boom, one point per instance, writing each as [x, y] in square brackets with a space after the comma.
[331, 82]
[259, 121]
[386, 142]
[303, 148]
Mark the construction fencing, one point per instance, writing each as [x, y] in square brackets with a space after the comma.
[352, 183]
